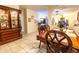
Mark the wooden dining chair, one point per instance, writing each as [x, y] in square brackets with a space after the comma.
[59, 42]
[42, 30]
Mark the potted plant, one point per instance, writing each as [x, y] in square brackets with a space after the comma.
[62, 24]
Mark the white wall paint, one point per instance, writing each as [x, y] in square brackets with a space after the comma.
[31, 26]
[22, 22]
[41, 14]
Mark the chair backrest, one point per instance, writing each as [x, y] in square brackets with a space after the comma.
[43, 28]
[58, 41]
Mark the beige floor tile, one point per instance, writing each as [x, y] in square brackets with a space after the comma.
[28, 44]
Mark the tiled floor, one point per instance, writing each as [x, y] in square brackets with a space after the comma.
[28, 44]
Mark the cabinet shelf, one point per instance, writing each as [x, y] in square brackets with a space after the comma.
[9, 24]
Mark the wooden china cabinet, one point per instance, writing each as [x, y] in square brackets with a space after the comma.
[10, 28]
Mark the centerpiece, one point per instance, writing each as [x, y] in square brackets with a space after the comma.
[62, 24]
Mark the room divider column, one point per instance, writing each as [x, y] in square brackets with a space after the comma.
[50, 17]
[78, 16]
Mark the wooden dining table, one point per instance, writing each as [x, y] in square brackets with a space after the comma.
[74, 38]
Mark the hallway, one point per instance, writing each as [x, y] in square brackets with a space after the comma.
[28, 44]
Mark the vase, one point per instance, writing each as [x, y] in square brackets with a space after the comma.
[61, 29]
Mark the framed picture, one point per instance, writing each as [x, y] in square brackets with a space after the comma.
[29, 19]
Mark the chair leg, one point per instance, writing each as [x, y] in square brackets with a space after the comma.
[37, 38]
[47, 50]
[39, 44]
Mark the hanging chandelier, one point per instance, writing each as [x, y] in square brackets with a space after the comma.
[57, 12]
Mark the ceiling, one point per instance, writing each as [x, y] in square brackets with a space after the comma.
[51, 7]
[35, 7]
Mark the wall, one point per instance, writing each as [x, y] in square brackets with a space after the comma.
[22, 21]
[71, 16]
[50, 17]
[31, 26]
[27, 27]
[41, 14]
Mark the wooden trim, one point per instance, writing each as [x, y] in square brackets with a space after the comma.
[5, 7]
[0, 26]
[10, 34]
[18, 20]
[9, 17]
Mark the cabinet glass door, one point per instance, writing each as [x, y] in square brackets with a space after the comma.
[14, 18]
[4, 23]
